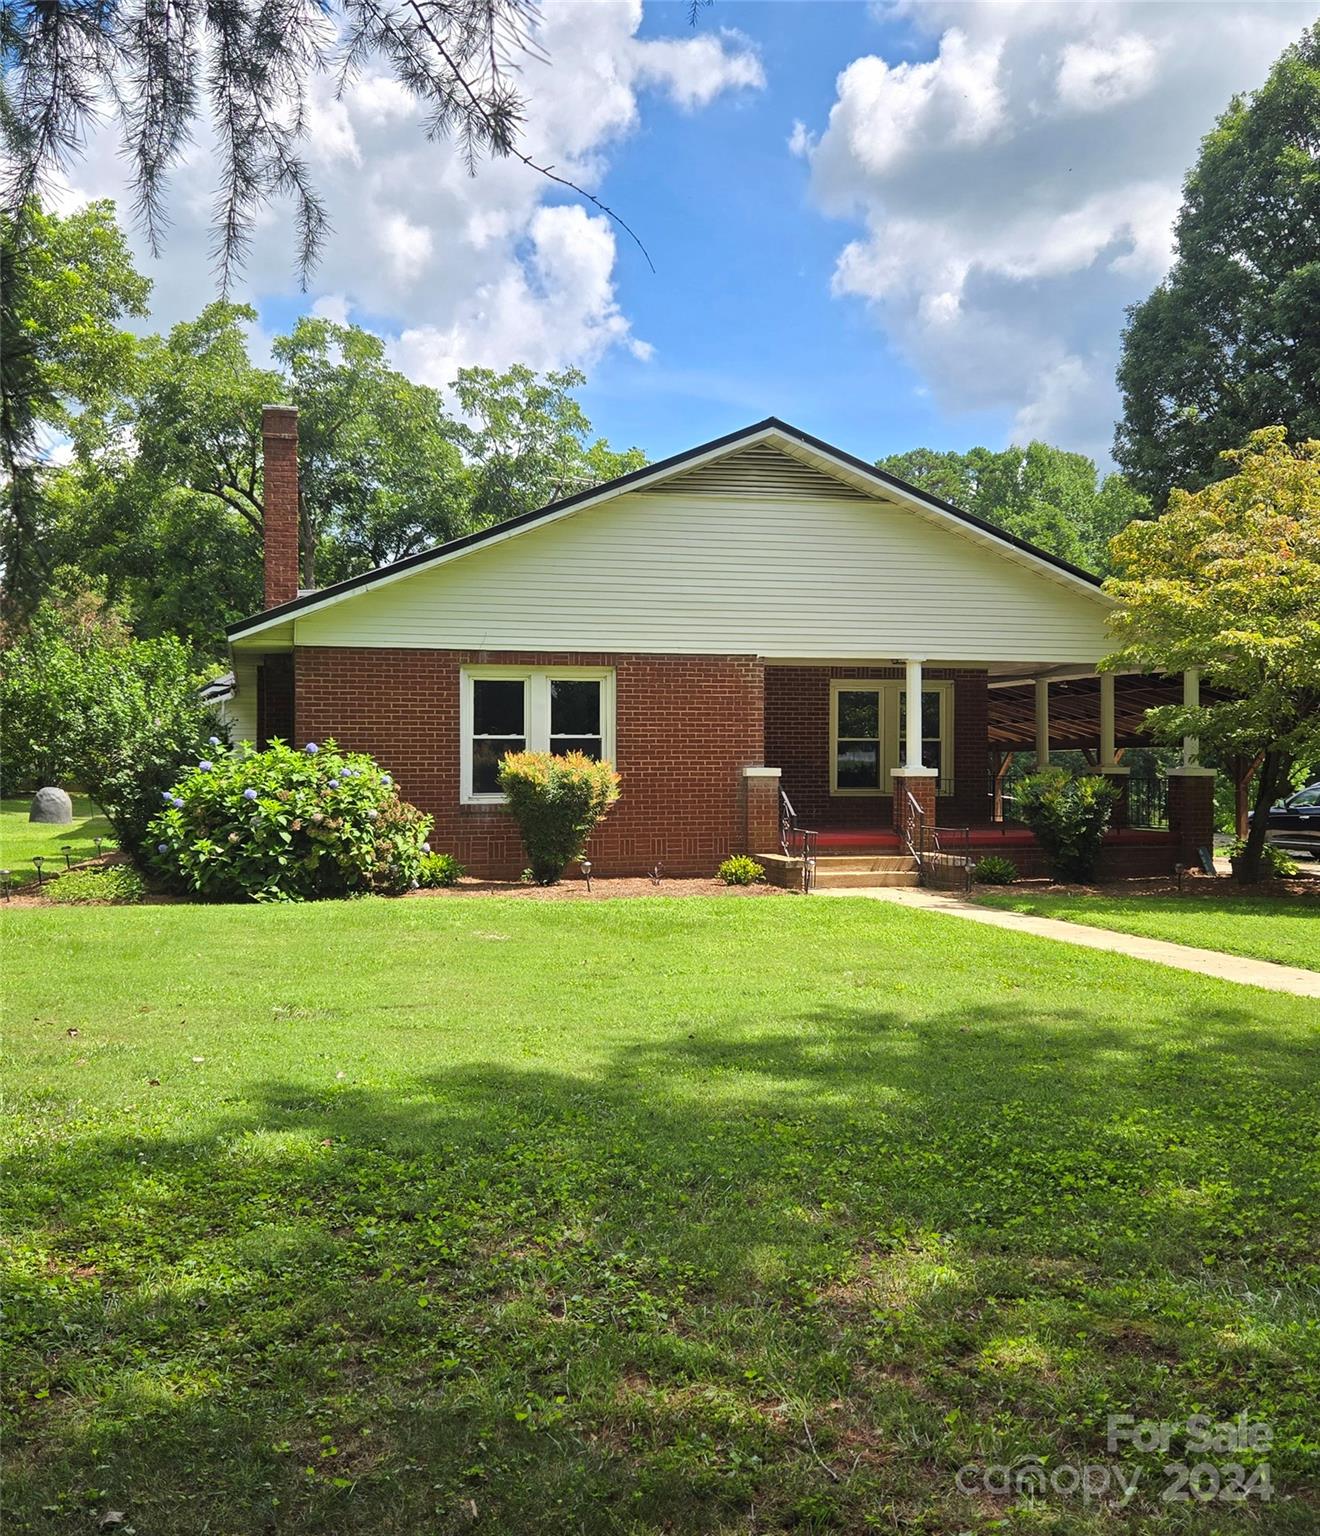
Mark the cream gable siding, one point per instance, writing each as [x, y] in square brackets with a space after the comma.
[242, 715]
[779, 576]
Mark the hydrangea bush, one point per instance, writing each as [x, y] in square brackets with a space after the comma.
[288, 825]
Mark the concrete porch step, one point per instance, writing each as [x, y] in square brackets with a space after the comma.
[852, 871]
[864, 879]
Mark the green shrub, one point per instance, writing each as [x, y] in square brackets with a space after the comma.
[439, 869]
[84, 703]
[1068, 816]
[1275, 863]
[739, 869]
[286, 825]
[557, 802]
[119, 884]
[994, 869]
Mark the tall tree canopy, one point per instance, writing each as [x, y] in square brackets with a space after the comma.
[1229, 341]
[1228, 580]
[529, 441]
[160, 502]
[65, 286]
[1048, 496]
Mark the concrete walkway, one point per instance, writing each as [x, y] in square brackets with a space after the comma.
[1183, 957]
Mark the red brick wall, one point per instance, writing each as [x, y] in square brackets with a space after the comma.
[797, 739]
[1192, 813]
[279, 479]
[685, 727]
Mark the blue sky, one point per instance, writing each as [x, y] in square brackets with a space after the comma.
[740, 310]
[892, 224]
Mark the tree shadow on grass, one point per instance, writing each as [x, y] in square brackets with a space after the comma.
[794, 1274]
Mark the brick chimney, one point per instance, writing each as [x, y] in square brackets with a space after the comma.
[279, 453]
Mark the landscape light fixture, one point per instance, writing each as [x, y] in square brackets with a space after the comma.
[5, 878]
[67, 850]
[586, 873]
[39, 859]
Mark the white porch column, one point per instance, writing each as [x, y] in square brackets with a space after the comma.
[1191, 747]
[1042, 722]
[912, 725]
[1108, 752]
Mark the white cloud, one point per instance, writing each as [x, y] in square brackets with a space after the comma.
[496, 268]
[886, 114]
[557, 305]
[1017, 189]
[696, 70]
[1095, 75]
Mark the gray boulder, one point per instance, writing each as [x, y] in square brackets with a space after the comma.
[52, 806]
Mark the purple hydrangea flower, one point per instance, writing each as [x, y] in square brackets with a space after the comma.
[385, 779]
[311, 749]
[426, 847]
[249, 794]
[177, 803]
[206, 765]
[332, 784]
[167, 797]
[214, 740]
[162, 847]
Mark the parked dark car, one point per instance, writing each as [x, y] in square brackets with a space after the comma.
[1294, 822]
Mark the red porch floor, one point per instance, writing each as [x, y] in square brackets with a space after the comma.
[990, 835]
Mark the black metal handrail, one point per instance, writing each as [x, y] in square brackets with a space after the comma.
[951, 854]
[1148, 802]
[926, 843]
[798, 842]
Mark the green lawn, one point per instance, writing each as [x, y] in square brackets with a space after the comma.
[20, 838]
[667, 1215]
[1283, 929]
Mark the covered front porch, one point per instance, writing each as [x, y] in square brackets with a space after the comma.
[849, 782]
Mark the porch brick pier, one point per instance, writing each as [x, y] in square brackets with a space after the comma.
[920, 784]
[1192, 810]
[760, 809]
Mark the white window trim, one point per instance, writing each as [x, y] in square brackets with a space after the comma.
[891, 745]
[536, 718]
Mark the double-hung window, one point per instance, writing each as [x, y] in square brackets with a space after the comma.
[537, 709]
[867, 724]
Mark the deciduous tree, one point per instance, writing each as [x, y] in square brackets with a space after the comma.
[66, 283]
[1228, 580]
[1048, 496]
[1229, 341]
[529, 442]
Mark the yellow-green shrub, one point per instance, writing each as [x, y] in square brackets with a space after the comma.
[557, 803]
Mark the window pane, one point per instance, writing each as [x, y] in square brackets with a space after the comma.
[930, 713]
[930, 753]
[574, 707]
[858, 765]
[589, 745]
[497, 707]
[859, 714]
[486, 754]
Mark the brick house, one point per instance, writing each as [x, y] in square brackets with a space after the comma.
[767, 636]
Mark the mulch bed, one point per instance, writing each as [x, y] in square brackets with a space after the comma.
[567, 890]
[601, 890]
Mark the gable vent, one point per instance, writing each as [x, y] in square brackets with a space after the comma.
[760, 471]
